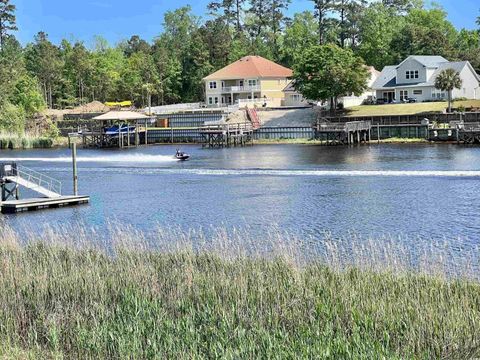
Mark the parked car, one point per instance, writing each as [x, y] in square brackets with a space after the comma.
[381, 101]
[410, 100]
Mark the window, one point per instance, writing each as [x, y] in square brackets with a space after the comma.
[240, 82]
[223, 84]
[252, 82]
[417, 92]
[403, 95]
[296, 98]
[438, 94]
[213, 84]
[210, 101]
[216, 100]
[412, 74]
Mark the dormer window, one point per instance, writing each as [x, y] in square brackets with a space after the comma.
[411, 74]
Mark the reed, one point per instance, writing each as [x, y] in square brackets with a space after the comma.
[15, 141]
[141, 295]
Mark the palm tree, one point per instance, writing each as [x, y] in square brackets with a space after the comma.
[448, 80]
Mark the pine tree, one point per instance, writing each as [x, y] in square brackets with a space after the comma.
[7, 20]
[322, 9]
[232, 12]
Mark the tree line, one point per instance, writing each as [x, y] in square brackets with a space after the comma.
[170, 68]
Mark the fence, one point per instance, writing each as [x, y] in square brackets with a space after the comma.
[408, 119]
[158, 136]
[275, 133]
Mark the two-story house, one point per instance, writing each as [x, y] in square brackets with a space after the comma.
[250, 79]
[415, 78]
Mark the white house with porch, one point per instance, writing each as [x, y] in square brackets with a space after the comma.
[414, 78]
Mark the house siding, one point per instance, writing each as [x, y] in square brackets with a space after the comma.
[411, 65]
[470, 85]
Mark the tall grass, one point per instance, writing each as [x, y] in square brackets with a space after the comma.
[130, 298]
[14, 141]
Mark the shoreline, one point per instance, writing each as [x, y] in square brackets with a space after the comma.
[62, 142]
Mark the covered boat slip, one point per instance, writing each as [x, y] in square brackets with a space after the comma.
[121, 129]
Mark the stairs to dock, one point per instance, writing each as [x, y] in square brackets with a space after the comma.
[35, 181]
[254, 118]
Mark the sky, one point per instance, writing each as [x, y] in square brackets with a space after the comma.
[117, 20]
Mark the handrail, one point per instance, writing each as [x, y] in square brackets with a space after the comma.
[39, 179]
[348, 126]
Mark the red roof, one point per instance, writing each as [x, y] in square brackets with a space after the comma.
[251, 67]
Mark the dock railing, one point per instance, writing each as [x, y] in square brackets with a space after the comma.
[38, 180]
[342, 127]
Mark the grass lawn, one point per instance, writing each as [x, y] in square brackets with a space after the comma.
[407, 109]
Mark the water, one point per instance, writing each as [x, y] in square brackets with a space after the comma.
[416, 191]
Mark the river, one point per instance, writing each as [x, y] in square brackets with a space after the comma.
[416, 192]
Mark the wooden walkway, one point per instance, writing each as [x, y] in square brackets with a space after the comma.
[16, 206]
[354, 132]
[219, 136]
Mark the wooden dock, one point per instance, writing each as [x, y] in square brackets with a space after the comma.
[16, 206]
[219, 136]
[349, 133]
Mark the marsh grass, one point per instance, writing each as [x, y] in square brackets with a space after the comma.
[15, 141]
[177, 294]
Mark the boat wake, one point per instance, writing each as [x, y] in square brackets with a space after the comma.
[320, 173]
[282, 173]
[114, 158]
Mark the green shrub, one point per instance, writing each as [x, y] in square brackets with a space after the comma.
[12, 118]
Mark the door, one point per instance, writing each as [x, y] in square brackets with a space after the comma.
[389, 96]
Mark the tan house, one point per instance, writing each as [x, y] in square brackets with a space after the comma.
[250, 80]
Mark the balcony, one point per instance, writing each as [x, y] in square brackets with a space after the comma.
[240, 89]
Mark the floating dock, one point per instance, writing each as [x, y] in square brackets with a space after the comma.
[12, 176]
[17, 206]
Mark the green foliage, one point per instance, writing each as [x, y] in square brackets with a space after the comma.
[28, 96]
[12, 118]
[328, 71]
[7, 20]
[380, 26]
[170, 70]
[448, 80]
[426, 32]
[299, 36]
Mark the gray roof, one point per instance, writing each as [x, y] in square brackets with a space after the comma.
[427, 61]
[388, 76]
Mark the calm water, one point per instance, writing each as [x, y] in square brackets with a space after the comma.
[419, 191]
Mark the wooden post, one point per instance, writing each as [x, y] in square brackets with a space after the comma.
[378, 133]
[75, 175]
[146, 132]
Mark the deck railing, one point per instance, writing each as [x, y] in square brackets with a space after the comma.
[38, 179]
